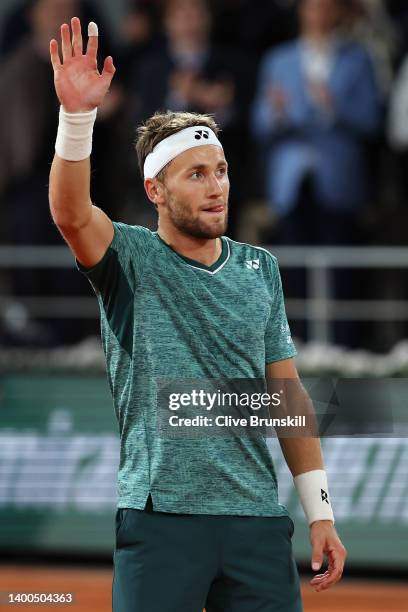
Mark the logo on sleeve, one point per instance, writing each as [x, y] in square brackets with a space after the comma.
[252, 264]
[285, 331]
[199, 134]
[325, 496]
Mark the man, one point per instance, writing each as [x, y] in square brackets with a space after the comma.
[316, 107]
[316, 111]
[198, 521]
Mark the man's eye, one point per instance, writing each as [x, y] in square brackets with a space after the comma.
[196, 175]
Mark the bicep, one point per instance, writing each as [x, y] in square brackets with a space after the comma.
[90, 242]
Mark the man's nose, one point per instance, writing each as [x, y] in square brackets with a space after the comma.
[214, 186]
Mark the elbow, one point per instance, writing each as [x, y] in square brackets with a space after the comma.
[66, 219]
[69, 226]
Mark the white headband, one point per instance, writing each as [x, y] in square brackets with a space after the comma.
[173, 145]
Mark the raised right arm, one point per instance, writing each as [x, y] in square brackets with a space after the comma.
[80, 88]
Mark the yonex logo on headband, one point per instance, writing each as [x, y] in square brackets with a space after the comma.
[168, 148]
[202, 134]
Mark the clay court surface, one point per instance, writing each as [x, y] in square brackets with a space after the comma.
[92, 588]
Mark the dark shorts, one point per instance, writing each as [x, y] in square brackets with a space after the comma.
[183, 563]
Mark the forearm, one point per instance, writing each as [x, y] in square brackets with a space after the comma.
[302, 454]
[301, 447]
[70, 177]
[69, 192]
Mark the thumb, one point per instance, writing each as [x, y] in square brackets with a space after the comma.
[317, 555]
[108, 68]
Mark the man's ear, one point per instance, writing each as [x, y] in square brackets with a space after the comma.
[155, 191]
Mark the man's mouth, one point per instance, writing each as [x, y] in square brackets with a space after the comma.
[219, 208]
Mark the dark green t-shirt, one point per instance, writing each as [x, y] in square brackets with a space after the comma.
[166, 316]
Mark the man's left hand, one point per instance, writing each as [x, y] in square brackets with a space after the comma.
[325, 541]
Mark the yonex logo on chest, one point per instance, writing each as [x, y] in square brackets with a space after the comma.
[252, 264]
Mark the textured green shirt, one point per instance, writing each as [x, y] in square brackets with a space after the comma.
[164, 315]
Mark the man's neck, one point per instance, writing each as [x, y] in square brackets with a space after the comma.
[204, 250]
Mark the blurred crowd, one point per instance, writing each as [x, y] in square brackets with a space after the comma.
[312, 99]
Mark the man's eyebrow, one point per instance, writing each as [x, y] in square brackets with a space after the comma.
[203, 166]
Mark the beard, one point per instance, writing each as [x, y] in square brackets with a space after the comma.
[183, 219]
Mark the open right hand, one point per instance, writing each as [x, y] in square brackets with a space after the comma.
[79, 85]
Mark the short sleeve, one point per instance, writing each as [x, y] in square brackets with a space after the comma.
[115, 279]
[278, 340]
[123, 260]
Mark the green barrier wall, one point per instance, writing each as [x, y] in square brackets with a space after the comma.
[59, 450]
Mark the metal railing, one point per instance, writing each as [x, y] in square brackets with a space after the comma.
[318, 308]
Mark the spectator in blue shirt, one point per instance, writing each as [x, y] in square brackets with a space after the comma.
[316, 109]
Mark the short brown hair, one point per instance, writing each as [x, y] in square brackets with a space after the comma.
[163, 124]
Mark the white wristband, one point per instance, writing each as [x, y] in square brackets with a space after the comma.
[314, 495]
[74, 137]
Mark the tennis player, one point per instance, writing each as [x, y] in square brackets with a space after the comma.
[198, 522]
